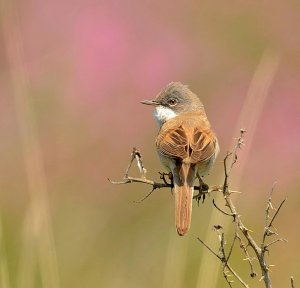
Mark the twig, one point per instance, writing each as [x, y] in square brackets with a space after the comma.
[232, 245]
[224, 259]
[222, 211]
[224, 262]
[273, 242]
[267, 228]
[135, 154]
[128, 180]
[259, 250]
[248, 258]
[292, 282]
[234, 157]
[210, 249]
[145, 197]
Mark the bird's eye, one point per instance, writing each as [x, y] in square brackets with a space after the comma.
[172, 102]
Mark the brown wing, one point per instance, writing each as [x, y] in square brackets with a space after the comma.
[203, 145]
[186, 140]
[173, 142]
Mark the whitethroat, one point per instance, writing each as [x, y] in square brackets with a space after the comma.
[185, 143]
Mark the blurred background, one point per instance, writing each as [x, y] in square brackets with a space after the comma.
[72, 75]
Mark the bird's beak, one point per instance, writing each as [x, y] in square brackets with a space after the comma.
[150, 102]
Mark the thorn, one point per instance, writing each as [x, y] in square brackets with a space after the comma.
[270, 233]
[249, 230]
[234, 191]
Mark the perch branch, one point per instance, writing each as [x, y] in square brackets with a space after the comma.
[136, 156]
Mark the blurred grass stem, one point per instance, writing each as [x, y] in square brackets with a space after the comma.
[4, 275]
[37, 232]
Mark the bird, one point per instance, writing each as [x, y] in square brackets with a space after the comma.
[186, 145]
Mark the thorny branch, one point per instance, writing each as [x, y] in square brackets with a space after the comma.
[230, 269]
[259, 250]
[242, 234]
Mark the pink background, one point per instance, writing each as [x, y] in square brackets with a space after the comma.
[82, 67]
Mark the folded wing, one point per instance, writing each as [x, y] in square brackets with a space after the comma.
[186, 141]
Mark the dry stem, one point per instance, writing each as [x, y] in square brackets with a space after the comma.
[259, 250]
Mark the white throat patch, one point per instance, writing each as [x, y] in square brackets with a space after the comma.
[163, 114]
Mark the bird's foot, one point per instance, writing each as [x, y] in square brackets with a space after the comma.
[203, 188]
[167, 179]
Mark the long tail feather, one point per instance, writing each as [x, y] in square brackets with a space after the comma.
[183, 184]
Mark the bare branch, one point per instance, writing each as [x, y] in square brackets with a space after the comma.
[232, 245]
[223, 260]
[275, 215]
[273, 242]
[145, 197]
[128, 180]
[210, 249]
[259, 251]
[248, 258]
[222, 211]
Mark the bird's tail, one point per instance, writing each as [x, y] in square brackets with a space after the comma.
[184, 188]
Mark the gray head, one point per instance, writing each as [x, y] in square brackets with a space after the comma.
[174, 99]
